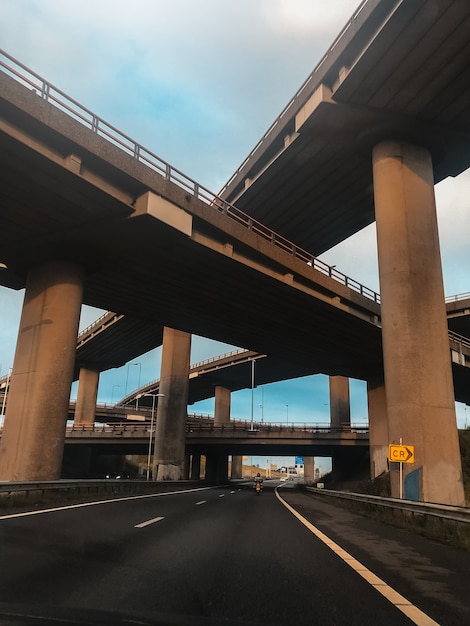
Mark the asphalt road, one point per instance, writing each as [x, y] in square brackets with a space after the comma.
[224, 556]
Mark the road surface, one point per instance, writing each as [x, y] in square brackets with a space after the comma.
[224, 556]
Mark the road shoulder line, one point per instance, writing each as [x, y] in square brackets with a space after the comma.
[96, 502]
[400, 602]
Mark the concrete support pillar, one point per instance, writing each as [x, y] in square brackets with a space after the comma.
[87, 393]
[378, 426]
[222, 406]
[340, 411]
[172, 409]
[237, 466]
[309, 470]
[221, 418]
[196, 467]
[187, 465]
[216, 467]
[32, 443]
[418, 376]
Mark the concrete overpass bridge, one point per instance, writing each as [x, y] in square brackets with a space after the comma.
[237, 438]
[91, 216]
[347, 445]
[114, 339]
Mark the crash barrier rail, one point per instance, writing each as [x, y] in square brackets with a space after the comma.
[277, 427]
[48, 92]
[236, 425]
[457, 297]
[304, 92]
[443, 522]
[464, 341]
[54, 492]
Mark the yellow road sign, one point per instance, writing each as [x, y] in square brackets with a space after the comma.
[401, 454]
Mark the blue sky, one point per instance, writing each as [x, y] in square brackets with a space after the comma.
[198, 82]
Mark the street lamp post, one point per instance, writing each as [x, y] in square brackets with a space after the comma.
[112, 392]
[252, 390]
[127, 375]
[287, 414]
[149, 455]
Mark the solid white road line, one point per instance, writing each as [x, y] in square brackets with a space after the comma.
[401, 603]
[148, 522]
[111, 500]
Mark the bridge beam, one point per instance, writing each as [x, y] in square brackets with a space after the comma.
[418, 375]
[32, 442]
[172, 409]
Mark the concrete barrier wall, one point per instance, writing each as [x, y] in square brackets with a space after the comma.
[446, 524]
[25, 495]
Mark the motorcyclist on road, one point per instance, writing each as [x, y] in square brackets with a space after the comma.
[258, 480]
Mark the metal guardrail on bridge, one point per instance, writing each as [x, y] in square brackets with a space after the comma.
[443, 522]
[119, 429]
[48, 92]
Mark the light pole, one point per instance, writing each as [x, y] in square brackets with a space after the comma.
[261, 406]
[252, 390]
[149, 456]
[127, 375]
[287, 414]
[112, 392]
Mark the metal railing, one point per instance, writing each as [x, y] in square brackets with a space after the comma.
[219, 357]
[463, 341]
[277, 427]
[459, 296]
[114, 317]
[206, 425]
[455, 513]
[298, 99]
[96, 124]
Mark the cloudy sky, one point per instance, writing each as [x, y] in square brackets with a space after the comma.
[198, 82]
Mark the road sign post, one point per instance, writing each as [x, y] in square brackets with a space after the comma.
[401, 454]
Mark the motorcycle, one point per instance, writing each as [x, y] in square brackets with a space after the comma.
[258, 487]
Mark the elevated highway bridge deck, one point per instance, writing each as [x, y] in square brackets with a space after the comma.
[398, 68]
[236, 438]
[135, 236]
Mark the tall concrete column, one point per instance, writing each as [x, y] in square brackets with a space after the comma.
[222, 418]
[87, 394]
[216, 467]
[32, 443]
[172, 409]
[187, 465]
[378, 426]
[418, 376]
[309, 470]
[222, 406]
[237, 466]
[340, 411]
[195, 467]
